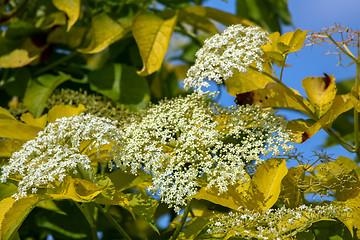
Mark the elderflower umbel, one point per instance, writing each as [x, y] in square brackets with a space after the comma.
[281, 223]
[56, 152]
[183, 139]
[236, 48]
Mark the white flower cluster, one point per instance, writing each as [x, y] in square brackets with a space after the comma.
[276, 224]
[236, 48]
[55, 152]
[180, 140]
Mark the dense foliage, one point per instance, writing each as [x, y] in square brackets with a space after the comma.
[98, 141]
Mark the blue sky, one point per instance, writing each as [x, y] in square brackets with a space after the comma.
[311, 15]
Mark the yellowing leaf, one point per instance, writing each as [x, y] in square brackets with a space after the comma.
[9, 146]
[60, 111]
[279, 46]
[273, 95]
[218, 15]
[290, 194]
[105, 31]
[76, 189]
[266, 184]
[17, 130]
[298, 127]
[246, 82]
[321, 92]
[71, 8]
[13, 213]
[4, 114]
[152, 35]
[15, 59]
[40, 122]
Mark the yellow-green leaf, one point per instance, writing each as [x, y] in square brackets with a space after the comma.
[290, 193]
[4, 114]
[266, 184]
[76, 189]
[274, 95]
[298, 127]
[40, 122]
[13, 213]
[71, 8]
[15, 59]
[152, 35]
[246, 82]
[321, 92]
[105, 31]
[17, 130]
[9, 146]
[218, 15]
[61, 110]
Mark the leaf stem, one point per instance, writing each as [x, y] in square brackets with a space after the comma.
[55, 63]
[113, 222]
[356, 114]
[183, 220]
[89, 219]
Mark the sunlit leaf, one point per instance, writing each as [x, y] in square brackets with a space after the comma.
[152, 35]
[274, 95]
[105, 31]
[321, 92]
[13, 213]
[144, 206]
[59, 111]
[220, 16]
[245, 82]
[76, 189]
[28, 118]
[17, 130]
[16, 58]
[265, 185]
[4, 114]
[298, 127]
[71, 8]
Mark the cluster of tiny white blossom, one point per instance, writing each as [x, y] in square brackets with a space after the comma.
[55, 152]
[276, 224]
[236, 48]
[182, 139]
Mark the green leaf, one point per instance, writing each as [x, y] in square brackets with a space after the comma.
[7, 190]
[121, 83]
[71, 8]
[193, 228]
[15, 59]
[245, 82]
[144, 206]
[321, 92]
[105, 31]
[13, 213]
[125, 180]
[266, 184]
[39, 90]
[152, 35]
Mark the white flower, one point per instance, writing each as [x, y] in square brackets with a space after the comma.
[56, 152]
[180, 140]
[235, 49]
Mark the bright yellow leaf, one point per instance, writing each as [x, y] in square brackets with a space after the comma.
[265, 185]
[71, 8]
[15, 59]
[60, 111]
[4, 114]
[40, 122]
[273, 95]
[321, 92]
[13, 213]
[246, 82]
[298, 127]
[9, 146]
[76, 189]
[105, 31]
[17, 130]
[152, 35]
